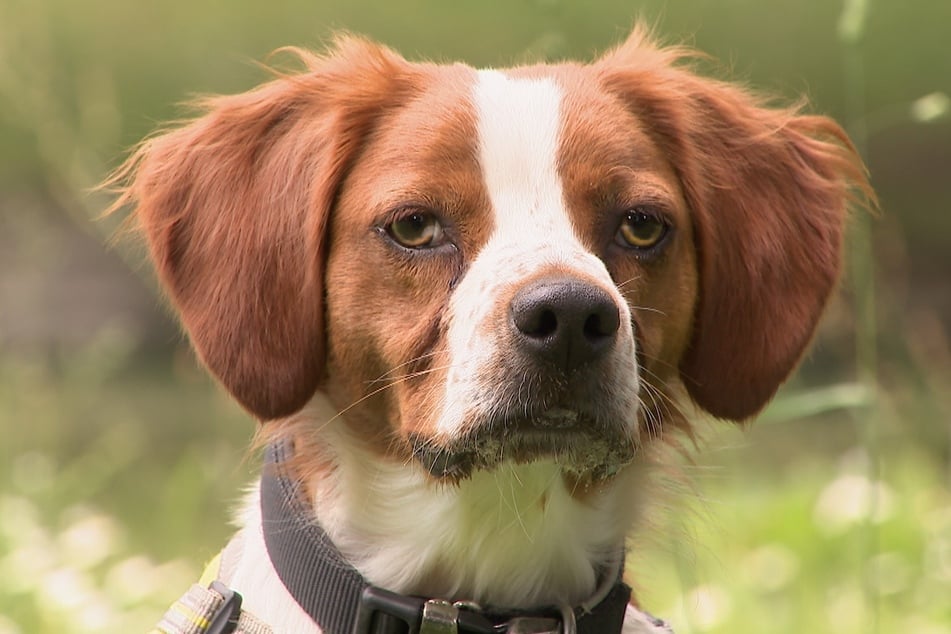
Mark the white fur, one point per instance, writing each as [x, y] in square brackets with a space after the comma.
[519, 123]
[265, 596]
[514, 536]
[489, 538]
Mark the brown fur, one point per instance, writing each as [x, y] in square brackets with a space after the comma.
[254, 211]
[235, 206]
[768, 188]
[263, 219]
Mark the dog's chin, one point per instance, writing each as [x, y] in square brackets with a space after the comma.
[586, 450]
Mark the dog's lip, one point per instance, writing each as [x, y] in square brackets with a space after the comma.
[560, 418]
[576, 442]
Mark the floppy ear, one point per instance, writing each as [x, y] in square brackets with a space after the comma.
[234, 206]
[768, 190]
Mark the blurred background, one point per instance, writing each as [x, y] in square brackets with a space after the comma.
[120, 461]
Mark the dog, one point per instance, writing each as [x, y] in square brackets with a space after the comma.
[469, 309]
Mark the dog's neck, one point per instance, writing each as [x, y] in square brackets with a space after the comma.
[514, 537]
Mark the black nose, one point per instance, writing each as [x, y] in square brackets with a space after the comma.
[565, 321]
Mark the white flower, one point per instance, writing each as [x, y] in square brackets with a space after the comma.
[771, 567]
[930, 107]
[89, 540]
[710, 605]
[852, 499]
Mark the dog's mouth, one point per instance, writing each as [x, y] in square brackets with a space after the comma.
[585, 448]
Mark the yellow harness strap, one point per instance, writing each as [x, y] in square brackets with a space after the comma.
[202, 607]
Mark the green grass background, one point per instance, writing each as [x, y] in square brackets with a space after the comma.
[120, 461]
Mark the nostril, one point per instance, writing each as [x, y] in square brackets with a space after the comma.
[547, 324]
[602, 323]
[535, 320]
[593, 328]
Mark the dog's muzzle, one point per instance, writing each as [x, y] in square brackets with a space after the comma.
[554, 401]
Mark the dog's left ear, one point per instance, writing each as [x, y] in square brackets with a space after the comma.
[768, 190]
[234, 206]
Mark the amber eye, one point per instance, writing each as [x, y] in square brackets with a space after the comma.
[641, 230]
[418, 230]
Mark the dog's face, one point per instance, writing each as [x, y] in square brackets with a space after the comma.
[505, 255]
[488, 266]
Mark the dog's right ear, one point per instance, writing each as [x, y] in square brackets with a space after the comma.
[234, 206]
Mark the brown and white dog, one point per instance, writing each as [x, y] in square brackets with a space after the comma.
[477, 301]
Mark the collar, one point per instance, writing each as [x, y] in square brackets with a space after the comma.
[341, 601]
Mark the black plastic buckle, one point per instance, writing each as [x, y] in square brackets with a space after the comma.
[380, 608]
[225, 620]
[375, 602]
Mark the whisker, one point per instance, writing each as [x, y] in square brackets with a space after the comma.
[402, 365]
[666, 364]
[515, 509]
[621, 285]
[383, 388]
[670, 405]
[649, 309]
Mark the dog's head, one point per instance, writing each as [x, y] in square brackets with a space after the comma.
[479, 266]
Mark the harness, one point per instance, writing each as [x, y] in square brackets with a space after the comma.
[341, 601]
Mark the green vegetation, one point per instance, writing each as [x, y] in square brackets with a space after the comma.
[121, 478]
[119, 487]
[121, 461]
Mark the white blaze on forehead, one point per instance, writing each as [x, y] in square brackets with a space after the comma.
[519, 127]
[519, 123]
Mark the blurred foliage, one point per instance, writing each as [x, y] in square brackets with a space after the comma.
[120, 463]
[110, 466]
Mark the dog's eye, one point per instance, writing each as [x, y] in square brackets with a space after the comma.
[641, 230]
[418, 230]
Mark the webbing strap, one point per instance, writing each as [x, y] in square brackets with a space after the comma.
[197, 610]
[325, 585]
